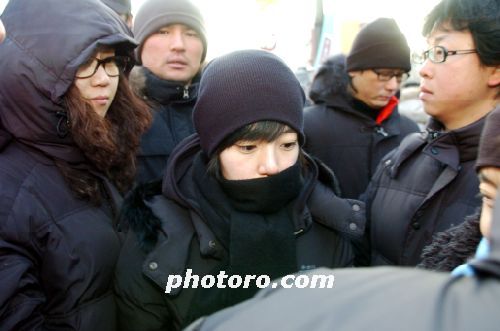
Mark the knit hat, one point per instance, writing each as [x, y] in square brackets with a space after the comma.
[244, 87]
[155, 14]
[489, 145]
[121, 7]
[379, 44]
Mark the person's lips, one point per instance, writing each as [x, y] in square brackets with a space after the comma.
[100, 100]
[424, 93]
[177, 63]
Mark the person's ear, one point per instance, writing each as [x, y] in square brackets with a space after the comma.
[494, 79]
[2, 31]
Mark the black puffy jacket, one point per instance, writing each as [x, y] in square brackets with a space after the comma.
[57, 253]
[344, 138]
[427, 185]
[324, 229]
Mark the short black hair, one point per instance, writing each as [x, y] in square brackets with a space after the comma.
[480, 17]
[258, 131]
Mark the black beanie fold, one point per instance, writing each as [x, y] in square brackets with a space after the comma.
[380, 44]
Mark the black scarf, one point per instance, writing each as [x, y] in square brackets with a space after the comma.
[252, 220]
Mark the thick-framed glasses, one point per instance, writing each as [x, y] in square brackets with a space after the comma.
[385, 76]
[112, 65]
[438, 54]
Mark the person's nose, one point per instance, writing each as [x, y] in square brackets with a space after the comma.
[177, 41]
[100, 77]
[268, 163]
[392, 84]
[425, 69]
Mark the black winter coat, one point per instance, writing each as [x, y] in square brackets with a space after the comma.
[184, 240]
[172, 108]
[57, 253]
[427, 185]
[345, 139]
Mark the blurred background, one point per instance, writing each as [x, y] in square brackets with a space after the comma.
[302, 32]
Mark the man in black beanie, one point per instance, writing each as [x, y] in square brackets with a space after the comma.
[355, 117]
[123, 8]
[172, 48]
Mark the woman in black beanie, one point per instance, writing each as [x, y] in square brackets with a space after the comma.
[239, 199]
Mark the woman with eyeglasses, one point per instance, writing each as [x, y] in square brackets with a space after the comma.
[429, 183]
[70, 130]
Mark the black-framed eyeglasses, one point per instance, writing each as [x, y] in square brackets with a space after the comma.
[438, 54]
[112, 65]
[385, 76]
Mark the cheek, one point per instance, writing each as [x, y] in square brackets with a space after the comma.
[288, 159]
[152, 50]
[485, 220]
[232, 165]
[82, 86]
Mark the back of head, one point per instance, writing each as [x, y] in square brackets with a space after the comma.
[379, 44]
[121, 7]
[244, 87]
[155, 14]
[480, 17]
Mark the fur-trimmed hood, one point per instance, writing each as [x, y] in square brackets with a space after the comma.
[330, 80]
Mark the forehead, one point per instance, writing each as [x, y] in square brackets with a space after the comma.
[444, 33]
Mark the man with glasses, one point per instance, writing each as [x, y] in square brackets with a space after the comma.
[355, 119]
[429, 184]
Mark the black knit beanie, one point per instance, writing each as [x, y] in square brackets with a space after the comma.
[489, 145]
[244, 87]
[155, 14]
[379, 44]
[122, 7]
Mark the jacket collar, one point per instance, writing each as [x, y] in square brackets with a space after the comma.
[151, 87]
[464, 142]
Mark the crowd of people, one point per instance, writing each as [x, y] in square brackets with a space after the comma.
[127, 159]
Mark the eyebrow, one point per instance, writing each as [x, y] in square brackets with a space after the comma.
[484, 179]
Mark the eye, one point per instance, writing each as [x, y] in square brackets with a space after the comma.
[191, 33]
[289, 146]
[163, 32]
[246, 148]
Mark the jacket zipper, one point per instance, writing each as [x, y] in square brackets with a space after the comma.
[380, 130]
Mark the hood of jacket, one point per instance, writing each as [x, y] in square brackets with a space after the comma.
[330, 81]
[38, 63]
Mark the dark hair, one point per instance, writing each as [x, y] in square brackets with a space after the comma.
[480, 17]
[257, 131]
[109, 144]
